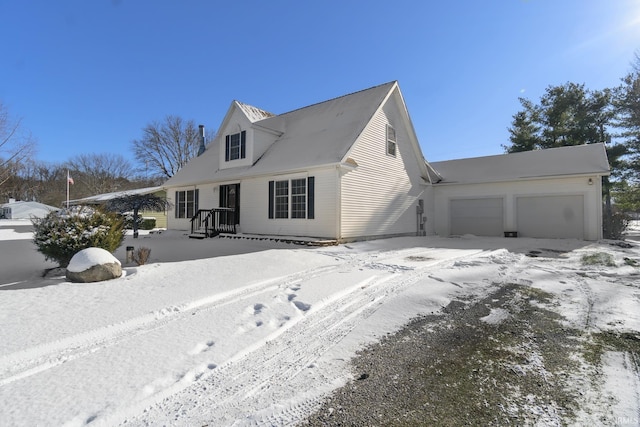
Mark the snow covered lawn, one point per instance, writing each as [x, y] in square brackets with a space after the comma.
[243, 332]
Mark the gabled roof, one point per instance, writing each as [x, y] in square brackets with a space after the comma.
[26, 210]
[589, 159]
[254, 114]
[320, 134]
[317, 135]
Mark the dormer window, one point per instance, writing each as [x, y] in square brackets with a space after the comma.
[236, 146]
[391, 141]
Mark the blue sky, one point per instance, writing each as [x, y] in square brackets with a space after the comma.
[86, 76]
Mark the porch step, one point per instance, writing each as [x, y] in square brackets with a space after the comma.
[197, 235]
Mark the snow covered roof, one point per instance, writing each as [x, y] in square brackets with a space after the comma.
[586, 159]
[253, 113]
[26, 210]
[317, 135]
[322, 133]
[101, 198]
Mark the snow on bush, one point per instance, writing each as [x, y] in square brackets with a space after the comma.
[62, 234]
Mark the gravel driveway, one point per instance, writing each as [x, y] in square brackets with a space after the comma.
[502, 360]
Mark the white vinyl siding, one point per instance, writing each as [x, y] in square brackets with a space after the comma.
[380, 196]
[233, 152]
[205, 193]
[254, 200]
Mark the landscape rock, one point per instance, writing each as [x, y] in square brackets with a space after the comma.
[93, 265]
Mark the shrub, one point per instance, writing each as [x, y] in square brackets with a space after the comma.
[128, 220]
[144, 223]
[148, 223]
[614, 225]
[60, 235]
[141, 255]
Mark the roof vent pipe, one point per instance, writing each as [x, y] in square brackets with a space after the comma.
[202, 146]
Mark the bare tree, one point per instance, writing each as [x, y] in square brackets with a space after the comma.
[100, 173]
[167, 146]
[16, 145]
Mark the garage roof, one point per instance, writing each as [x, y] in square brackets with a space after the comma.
[589, 159]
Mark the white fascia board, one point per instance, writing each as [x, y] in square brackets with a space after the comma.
[524, 178]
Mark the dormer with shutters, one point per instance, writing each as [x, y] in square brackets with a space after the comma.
[242, 143]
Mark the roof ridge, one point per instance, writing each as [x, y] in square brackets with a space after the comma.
[517, 153]
[337, 97]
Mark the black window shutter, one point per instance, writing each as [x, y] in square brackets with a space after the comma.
[311, 181]
[196, 195]
[177, 205]
[228, 148]
[271, 193]
[243, 144]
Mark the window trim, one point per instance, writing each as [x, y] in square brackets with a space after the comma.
[309, 199]
[298, 198]
[392, 141]
[241, 148]
[183, 205]
[281, 199]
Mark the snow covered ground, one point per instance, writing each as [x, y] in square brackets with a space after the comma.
[256, 332]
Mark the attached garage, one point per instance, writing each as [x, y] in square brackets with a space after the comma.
[552, 193]
[481, 217]
[559, 216]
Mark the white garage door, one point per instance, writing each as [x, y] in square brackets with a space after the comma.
[482, 217]
[551, 216]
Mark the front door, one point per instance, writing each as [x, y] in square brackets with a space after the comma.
[230, 198]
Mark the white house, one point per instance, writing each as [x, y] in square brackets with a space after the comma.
[24, 210]
[351, 168]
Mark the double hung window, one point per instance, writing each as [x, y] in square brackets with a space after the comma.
[298, 198]
[391, 141]
[292, 198]
[282, 199]
[236, 146]
[186, 203]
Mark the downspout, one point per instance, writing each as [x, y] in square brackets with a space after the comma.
[600, 209]
[338, 204]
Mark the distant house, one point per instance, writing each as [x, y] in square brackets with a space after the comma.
[351, 168]
[24, 210]
[101, 199]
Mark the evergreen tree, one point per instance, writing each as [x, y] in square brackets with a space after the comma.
[566, 115]
[62, 234]
[627, 104]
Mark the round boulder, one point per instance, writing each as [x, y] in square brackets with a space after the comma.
[93, 265]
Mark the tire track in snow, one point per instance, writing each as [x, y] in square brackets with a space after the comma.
[31, 361]
[269, 371]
